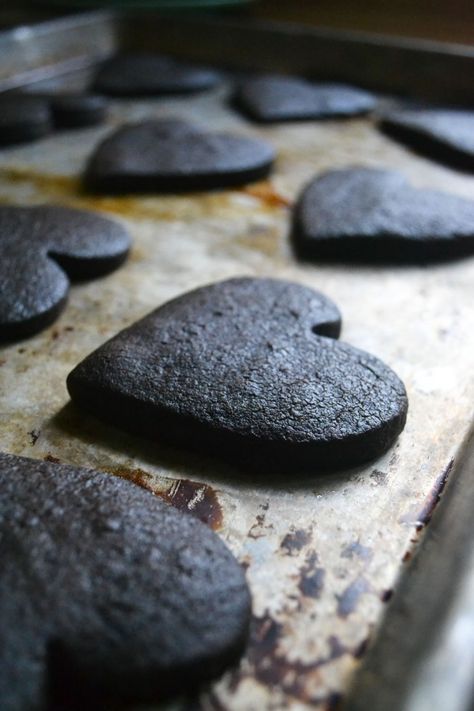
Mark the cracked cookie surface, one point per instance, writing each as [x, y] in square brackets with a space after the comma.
[42, 247]
[107, 593]
[246, 369]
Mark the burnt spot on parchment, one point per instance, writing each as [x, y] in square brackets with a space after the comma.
[394, 457]
[199, 500]
[386, 595]
[422, 516]
[348, 600]
[378, 477]
[139, 477]
[356, 550]
[361, 648]
[311, 580]
[50, 458]
[270, 666]
[257, 529]
[260, 528]
[267, 194]
[295, 541]
[34, 436]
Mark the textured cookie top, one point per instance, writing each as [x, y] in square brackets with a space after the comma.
[151, 74]
[279, 98]
[370, 214]
[108, 589]
[250, 364]
[171, 155]
[38, 247]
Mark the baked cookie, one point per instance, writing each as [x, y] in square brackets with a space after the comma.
[107, 593]
[77, 110]
[23, 118]
[40, 247]
[174, 156]
[248, 370]
[443, 134]
[372, 215]
[151, 75]
[72, 109]
[272, 98]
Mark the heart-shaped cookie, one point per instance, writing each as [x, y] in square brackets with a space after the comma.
[370, 215]
[144, 74]
[246, 369]
[72, 109]
[107, 593]
[38, 247]
[443, 134]
[23, 118]
[75, 110]
[173, 156]
[272, 98]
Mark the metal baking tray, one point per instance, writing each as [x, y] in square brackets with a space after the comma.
[324, 555]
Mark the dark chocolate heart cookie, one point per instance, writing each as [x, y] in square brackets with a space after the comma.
[446, 135]
[38, 247]
[174, 156]
[106, 592]
[249, 370]
[23, 118]
[72, 109]
[370, 215]
[272, 98]
[151, 75]
[78, 110]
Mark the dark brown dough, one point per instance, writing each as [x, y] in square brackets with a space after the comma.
[174, 156]
[78, 110]
[443, 134]
[107, 593]
[371, 215]
[248, 370]
[272, 98]
[151, 75]
[39, 246]
[23, 118]
[72, 109]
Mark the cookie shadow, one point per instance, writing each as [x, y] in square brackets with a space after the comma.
[73, 423]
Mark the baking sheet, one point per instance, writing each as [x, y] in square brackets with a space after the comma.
[323, 554]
